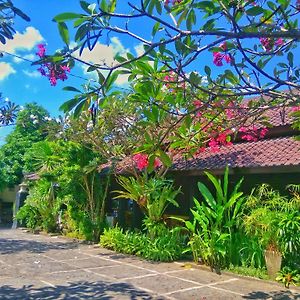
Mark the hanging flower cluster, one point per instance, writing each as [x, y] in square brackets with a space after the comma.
[218, 56]
[53, 71]
[270, 44]
[142, 162]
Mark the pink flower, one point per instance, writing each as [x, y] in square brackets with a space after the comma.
[227, 58]
[197, 103]
[263, 132]
[214, 145]
[217, 59]
[296, 108]
[53, 81]
[279, 42]
[141, 161]
[267, 43]
[41, 50]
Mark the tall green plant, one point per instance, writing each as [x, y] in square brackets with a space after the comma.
[213, 220]
[152, 194]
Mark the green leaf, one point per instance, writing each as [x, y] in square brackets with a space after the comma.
[70, 104]
[79, 108]
[255, 11]
[21, 14]
[290, 57]
[195, 79]
[71, 89]
[85, 6]
[207, 70]
[207, 195]
[64, 32]
[81, 32]
[110, 81]
[66, 17]
[165, 159]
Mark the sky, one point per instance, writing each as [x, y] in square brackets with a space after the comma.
[20, 82]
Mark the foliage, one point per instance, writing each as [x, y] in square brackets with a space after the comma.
[8, 112]
[30, 128]
[249, 271]
[74, 171]
[273, 218]
[245, 250]
[213, 221]
[166, 247]
[288, 276]
[152, 193]
[41, 207]
[183, 103]
[7, 14]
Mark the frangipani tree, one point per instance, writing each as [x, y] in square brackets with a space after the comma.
[198, 63]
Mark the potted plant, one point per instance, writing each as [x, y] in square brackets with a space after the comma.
[264, 210]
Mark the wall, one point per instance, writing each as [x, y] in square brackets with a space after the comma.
[9, 194]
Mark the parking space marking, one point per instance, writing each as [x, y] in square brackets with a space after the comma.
[183, 290]
[48, 283]
[123, 263]
[139, 277]
[224, 290]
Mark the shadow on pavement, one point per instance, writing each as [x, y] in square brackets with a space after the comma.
[8, 246]
[78, 290]
[275, 295]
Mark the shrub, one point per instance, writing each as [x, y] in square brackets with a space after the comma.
[167, 247]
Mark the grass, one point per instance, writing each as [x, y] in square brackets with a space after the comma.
[249, 271]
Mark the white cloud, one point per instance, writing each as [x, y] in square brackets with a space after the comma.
[104, 55]
[30, 57]
[5, 70]
[23, 41]
[139, 49]
[33, 74]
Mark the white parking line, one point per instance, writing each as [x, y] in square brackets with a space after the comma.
[48, 283]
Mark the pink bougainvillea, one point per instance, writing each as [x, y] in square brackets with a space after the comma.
[41, 50]
[296, 108]
[252, 133]
[217, 59]
[51, 70]
[269, 43]
[142, 162]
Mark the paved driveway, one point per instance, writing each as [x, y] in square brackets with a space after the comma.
[44, 267]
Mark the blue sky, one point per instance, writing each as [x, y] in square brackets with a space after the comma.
[20, 82]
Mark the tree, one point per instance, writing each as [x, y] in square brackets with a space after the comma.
[7, 14]
[30, 128]
[250, 46]
[8, 112]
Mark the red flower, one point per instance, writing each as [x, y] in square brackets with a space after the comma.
[141, 161]
[227, 58]
[217, 59]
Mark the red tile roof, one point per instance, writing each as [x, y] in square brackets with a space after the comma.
[283, 151]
